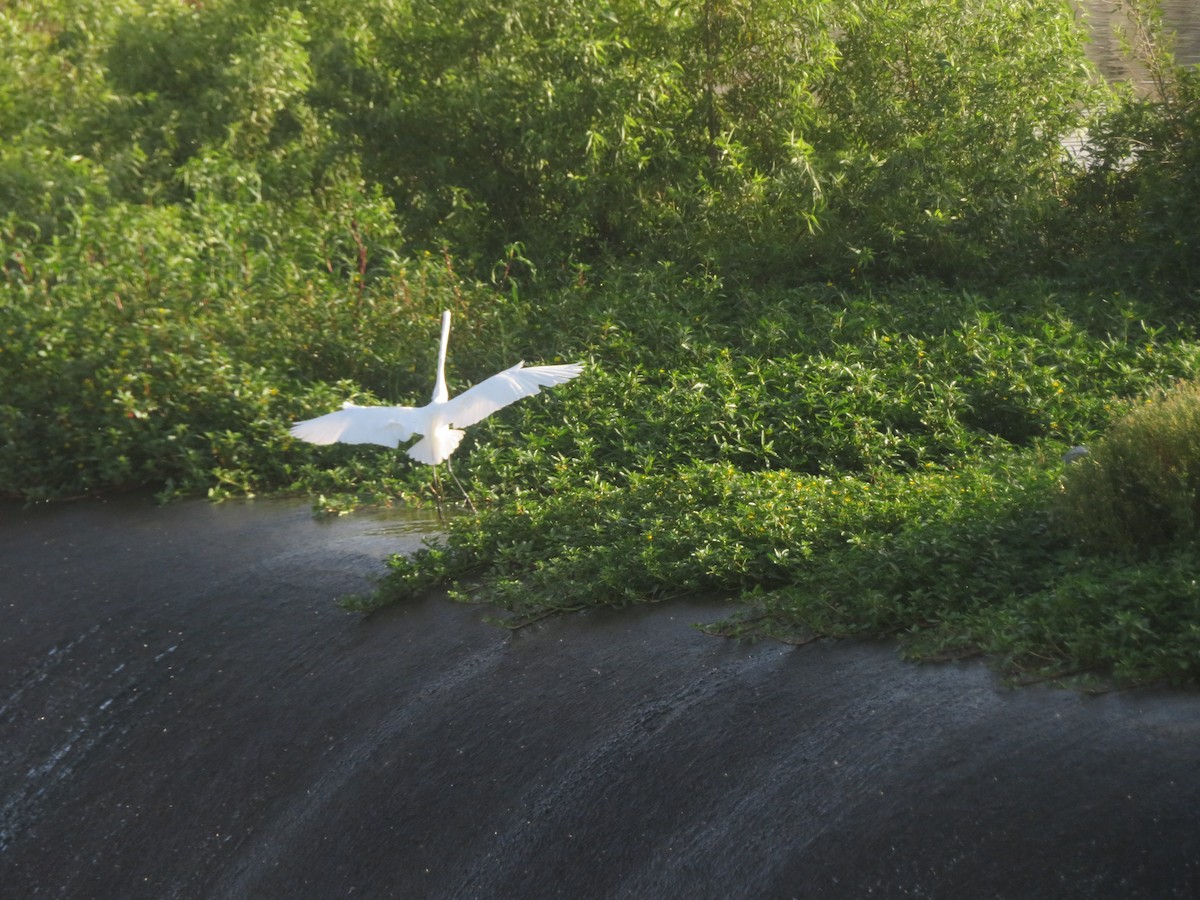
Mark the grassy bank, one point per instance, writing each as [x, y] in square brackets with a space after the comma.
[843, 298]
[875, 480]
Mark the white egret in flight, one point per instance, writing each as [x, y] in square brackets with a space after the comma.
[439, 423]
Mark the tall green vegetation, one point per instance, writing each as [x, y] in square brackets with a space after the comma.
[795, 136]
[818, 134]
[1136, 204]
[845, 296]
[236, 200]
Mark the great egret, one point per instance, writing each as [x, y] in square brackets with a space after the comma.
[439, 423]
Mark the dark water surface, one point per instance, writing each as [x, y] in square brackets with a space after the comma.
[185, 713]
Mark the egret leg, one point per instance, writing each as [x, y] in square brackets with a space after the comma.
[437, 490]
[466, 496]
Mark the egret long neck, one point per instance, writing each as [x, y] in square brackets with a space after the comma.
[440, 394]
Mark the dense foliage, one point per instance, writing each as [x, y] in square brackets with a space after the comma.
[1139, 489]
[844, 296]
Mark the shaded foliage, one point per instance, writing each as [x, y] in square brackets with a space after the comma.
[844, 295]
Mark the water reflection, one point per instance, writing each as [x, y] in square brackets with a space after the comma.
[406, 520]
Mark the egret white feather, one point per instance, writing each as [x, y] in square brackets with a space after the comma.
[441, 421]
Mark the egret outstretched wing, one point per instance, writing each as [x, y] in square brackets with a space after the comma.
[389, 426]
[440, 422]
[479, 402]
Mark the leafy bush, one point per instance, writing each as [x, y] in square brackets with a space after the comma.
[1140, 486]
[578, 128]
[764, 139]
[1133, 210]
[172, 345]
[942, 127]
[188, 80]
[955, 563]
[752, 137]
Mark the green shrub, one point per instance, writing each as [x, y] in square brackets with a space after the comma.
[756, 138]
[941, 134]
[1132, 212]
[961, 542]
[192, 80]
[170, 346]
[1140, 486]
